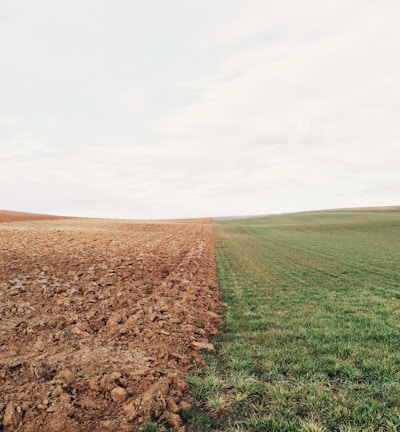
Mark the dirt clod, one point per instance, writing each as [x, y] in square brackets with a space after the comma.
[11, 418]
[119, 394]
[202, 346]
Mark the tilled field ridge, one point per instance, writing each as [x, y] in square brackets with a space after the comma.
[101, 321]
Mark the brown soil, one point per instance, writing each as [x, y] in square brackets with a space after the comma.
[10, 216]
[100, 321]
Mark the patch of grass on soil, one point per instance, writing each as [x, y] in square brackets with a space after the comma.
[312, 341]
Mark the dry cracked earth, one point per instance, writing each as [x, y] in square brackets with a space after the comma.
[101, 320]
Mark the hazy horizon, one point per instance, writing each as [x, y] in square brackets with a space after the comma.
[224, 217]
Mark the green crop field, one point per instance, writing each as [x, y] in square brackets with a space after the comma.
[312, 336]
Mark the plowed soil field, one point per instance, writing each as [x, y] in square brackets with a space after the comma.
[101, 320]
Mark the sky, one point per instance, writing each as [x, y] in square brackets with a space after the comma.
[180, 108]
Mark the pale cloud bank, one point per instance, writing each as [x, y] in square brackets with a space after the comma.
[167, 109]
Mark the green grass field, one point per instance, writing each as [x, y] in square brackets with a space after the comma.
[312, 336]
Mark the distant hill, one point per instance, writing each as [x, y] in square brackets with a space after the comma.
[381, 208]
[13, 216]
[349, 209]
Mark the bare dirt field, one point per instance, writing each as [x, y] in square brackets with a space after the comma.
[101, 320]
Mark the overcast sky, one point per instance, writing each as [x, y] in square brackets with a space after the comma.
[180, 108]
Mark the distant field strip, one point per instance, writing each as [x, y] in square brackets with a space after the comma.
[313, 323]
